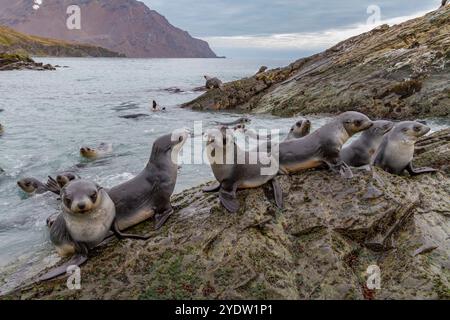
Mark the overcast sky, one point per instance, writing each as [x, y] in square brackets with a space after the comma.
[282, 28]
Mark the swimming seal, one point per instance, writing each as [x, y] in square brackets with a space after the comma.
[362, 151]
[396, 152]
[323, 146]
[92, 153]
[212, 83]
[136, 116]
[148, 194]
[156, 107]
[88, 215]
[299, 130]
[34, 186]
[242, 120]
[233, 170]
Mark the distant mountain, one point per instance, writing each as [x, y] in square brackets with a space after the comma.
[125, 26]
[12, 41]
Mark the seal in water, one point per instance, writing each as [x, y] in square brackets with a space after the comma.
[88, 216]
[233, 170]
[212, 83]
[362, 151]
[242, 120]
[91, 153]
[323, 146]
[396, 152]
[134, 116]
[299, 130]
[34, 186]
[148, 194]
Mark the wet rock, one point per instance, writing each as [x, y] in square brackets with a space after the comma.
[10, 62]
[318, 247]
[398, 72]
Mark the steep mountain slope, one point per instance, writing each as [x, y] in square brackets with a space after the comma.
[125, 26]
[399, 72]
[13, 41]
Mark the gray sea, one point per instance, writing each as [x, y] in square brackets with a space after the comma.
[48, 115]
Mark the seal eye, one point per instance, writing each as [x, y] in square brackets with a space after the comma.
[180, 139]
[405, 129]
[94, 197]
[358, 123]
[67, 202]
[417, 129]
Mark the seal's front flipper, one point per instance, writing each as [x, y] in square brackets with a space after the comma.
[229, 200]
[346, 172]
[340, 167]
[278, 193]
[213, 188]
[416, 171]
[53, 186]
[76, 260]
[121, 235]
[161, 218]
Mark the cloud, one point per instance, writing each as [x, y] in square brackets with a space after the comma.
[305, 40]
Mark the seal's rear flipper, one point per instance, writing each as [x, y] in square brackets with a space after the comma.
[229, 200]
[77, 260]
[214, 188]
[121, 235]
[53, 186]
[416, 171]
[278, 193]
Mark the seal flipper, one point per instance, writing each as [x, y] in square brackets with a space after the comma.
[340, 167]
[278, 193]
[161, 218]
[416, 171]
[53, 186]
[214, 188]
[76, 260]
[120, 235]
[229, 200]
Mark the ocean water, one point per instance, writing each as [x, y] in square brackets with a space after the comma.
[48, 115]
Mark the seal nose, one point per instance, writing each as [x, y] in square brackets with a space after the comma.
[82, 206]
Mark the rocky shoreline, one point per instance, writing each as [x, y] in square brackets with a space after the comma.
[318, 247]
[13, 61]
[398, 72]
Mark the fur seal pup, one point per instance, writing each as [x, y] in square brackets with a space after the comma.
[91, 153]
[323, 146]
[148, 194]
[362, 151]
[242, 120]
[88, 215]
[212, 83]
[396, 152]
[34, 186]
[233, 170]
[299, 130]
[136, 116]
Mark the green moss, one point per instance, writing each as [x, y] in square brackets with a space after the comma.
[172, 278]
